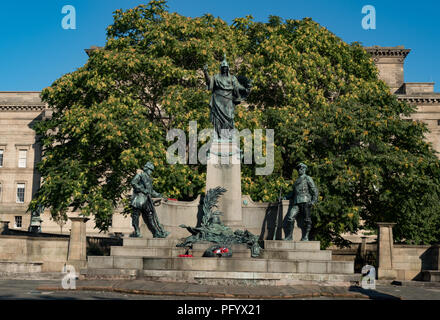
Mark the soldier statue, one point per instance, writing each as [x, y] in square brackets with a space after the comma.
[304, 196]
[143, 204]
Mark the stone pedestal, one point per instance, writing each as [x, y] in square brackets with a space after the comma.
[78, 243]
[385, 245]
[223, 169]
[35, 225]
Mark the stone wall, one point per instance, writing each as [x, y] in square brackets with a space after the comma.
[409, 260]
[51, 252]
[404, 262]
[258, 217]
[360, 253]
[429, 114]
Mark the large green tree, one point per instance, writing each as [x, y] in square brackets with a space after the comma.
[321, 95]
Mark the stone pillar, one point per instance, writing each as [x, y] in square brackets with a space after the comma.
[385, 244]
[78, 243]
[223, 170]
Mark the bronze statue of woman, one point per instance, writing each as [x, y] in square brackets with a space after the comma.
[227, 92]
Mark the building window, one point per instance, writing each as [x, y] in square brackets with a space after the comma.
[22, 155]
[20, 192]
[438, 122]
[1, 157]
[18, 221]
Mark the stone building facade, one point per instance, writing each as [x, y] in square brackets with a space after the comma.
[20, 151]
[390, 63]
[19, 154]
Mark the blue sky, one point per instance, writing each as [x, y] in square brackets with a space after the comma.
[35, 50]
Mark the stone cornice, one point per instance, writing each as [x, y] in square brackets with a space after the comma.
[420, 99]
[22, 107]
[377, 51]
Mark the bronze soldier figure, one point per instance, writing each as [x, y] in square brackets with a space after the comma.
[143, 204]
[304, 196]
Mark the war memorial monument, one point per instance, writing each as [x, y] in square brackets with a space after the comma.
[350, 131]
[222, 237]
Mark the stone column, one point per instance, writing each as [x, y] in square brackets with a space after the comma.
[78, 243]
[385, 244]
[223, 170]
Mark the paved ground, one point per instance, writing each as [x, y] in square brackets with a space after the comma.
[151, 290]
[40, 290]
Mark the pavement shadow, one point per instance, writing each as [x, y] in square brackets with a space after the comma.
[373, 294]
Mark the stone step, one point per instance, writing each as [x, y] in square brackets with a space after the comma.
[206, 245]
[168, 252]
[223, 278]
[291, 245]
[323, 255]
[238, 251]
[248, 265]
[155, 242]
[150, 242]
[20, 267]
[146, 251]
[114, 262]
[109, 274]
[250, 278]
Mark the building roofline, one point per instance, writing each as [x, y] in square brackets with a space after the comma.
[420, 99]
[91, 49]
[20, 92]
[24, 107]
[419, 82]
[398, 51]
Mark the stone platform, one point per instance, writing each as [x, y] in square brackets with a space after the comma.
[280, 263]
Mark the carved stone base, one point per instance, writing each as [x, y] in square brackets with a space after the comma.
[223, 169]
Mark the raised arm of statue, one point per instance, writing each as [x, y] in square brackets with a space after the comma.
[237, 84]
[208, 78]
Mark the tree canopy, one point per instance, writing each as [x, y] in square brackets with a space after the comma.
[321, 96]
